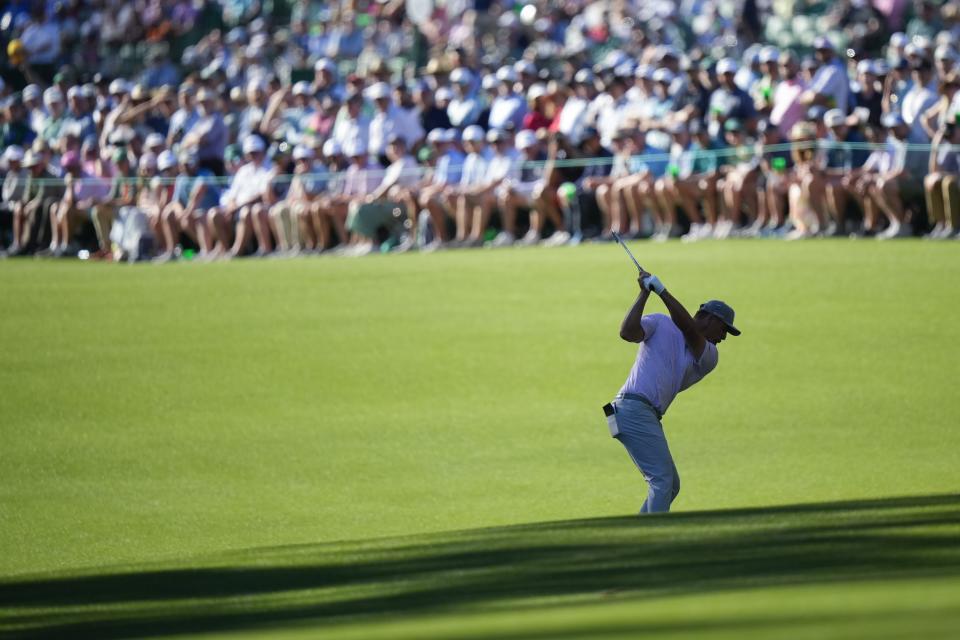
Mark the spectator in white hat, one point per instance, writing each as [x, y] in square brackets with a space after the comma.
[359, 180]
[536, 116]
[183, 119]
[390, 119]
[239, 203]
[378, 209]
[464, 108]
[472, 176]
[447, 169]
[209, 135]
[352, 126]
[289, 215]
[509, 107]
[516, 192]
[56, 115]
[830, 87]
[728, 101]
[325, 80]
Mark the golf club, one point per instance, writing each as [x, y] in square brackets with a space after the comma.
[622, 244]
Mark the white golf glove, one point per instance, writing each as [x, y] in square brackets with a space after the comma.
[652, 283]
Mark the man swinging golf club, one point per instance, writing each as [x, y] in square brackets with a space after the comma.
[675, 353]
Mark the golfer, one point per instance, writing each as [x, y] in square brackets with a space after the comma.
[675, 353]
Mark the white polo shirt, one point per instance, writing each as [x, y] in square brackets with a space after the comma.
[665, 366]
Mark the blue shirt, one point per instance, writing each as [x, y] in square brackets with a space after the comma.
[185, 184]
[449, 168]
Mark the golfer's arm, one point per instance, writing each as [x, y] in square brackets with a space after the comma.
[685, 323]
[631, 329]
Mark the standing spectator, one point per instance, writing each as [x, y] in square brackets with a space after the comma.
[830, 87]
[183, 119]
[390, 119]
[508, 106]
[56, 115]
[352, 128]
[921, 97]
[209, 134]
[786, 109]
[728, 101]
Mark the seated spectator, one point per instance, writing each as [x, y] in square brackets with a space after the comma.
[476, 203]
[940, 184]
[585, 179]
[845, 151]
[16, 130]
[729, 102]
[359, 180]
[289, 214]
[464, 108]
[610, 192]
[904, 180]
[773, 182]
[238, 203]
[829, 87]
[123, 193]
[381, 208]
[390, 120]
[42, 191]
[14, 184]
[80, 193]
[536, 116]
[805, 197]
[517, 190]
[738, 187]
[923, 95]
[472, 178]
[195, 193]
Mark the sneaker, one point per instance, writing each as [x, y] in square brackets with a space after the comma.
[946, 233]
[559, 238]
[797, 234]
[935, 232]
[408, 243]
[694, 234]
[532, 237]
[892, 231]
[503, 239]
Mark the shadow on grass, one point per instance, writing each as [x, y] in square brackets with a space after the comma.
[695, 552]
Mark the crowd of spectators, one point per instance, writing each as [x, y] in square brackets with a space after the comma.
[176, 128]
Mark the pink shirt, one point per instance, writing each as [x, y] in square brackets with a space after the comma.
[665, 365]
[787, 110]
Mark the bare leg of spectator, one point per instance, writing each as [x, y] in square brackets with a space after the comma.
[936, 211]
[260, 220]
[951, 196]
[218, 227]
[508, 202]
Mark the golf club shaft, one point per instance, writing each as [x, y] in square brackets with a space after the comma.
[625, 248]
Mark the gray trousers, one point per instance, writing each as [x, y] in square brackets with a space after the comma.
[641, 434]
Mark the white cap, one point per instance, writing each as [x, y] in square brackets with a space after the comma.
[147, 161]
[525, 139]
[435, 135]
[945, 52]
[252, 144]
[898, 39]
[663, 75]
[461, 75]
[525, 66]
[378, 91]
[301, 152]
[166, 160]
[536, 90]
[154, 140]
[489, 82]
[73, 92]
[834, 118]
[52, 94]
[301, 88]
[325, 64]
[769, 54]
[506, 74]
[331, 148]
[443, 94]
[355, 148]
[31, 91]
[726, 65]
[451, 135]
[257, 84]
[13, 153]
[473, 133]
[495, 135]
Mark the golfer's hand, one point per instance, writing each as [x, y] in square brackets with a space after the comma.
[651, 283]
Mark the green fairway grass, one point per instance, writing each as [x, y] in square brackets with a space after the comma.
[412, 446]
